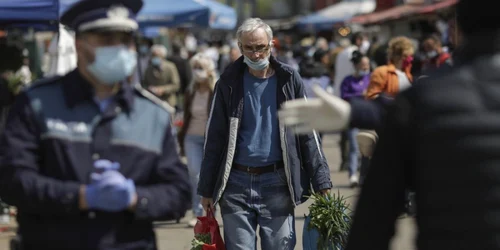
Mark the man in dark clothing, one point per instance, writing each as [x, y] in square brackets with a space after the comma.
[183, 67]
[89, 158]
[432, 132]
[6, 99]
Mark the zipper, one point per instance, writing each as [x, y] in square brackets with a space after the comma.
[287, 168]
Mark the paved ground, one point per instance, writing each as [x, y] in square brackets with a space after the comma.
[173, 236]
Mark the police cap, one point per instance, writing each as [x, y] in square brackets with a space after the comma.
[103, 15]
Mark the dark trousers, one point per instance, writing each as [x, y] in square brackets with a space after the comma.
[344, 150]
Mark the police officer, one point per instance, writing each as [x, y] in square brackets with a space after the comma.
[88, 158]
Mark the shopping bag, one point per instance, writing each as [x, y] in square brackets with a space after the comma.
[310, 237]
[208, 227]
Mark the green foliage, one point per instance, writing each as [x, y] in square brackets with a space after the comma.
[330, 217]
[15, 83]
[199, 240]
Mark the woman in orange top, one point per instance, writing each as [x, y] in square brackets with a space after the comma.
[395, 76]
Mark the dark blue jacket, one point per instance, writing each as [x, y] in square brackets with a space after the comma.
[54, 133]
[304, 160]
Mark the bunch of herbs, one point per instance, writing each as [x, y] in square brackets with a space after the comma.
[330, 216]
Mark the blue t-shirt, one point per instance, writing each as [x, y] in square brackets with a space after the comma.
[103, 104]
[258, 141]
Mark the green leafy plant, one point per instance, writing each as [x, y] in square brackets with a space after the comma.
[330, 217]
[15, 83]
[199, 240]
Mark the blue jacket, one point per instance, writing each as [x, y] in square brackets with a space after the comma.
[304, 160]
[55, 132]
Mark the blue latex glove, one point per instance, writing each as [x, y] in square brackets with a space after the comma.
[109, 191]
[105, 165]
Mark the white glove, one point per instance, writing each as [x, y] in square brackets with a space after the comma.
[326, 113]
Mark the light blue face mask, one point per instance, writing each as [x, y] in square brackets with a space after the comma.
[363, 72]
[113, 64]
[156, 61]
[258, 65]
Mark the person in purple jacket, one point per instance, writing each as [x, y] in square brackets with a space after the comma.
[353, 87]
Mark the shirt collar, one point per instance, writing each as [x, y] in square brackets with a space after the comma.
[78, 90]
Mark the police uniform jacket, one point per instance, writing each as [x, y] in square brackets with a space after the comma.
[54, 134]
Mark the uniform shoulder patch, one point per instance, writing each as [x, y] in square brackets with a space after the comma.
[45, 81]
[42, 82]
[154, 99]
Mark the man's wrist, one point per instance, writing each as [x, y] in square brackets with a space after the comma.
[133, 203]
[82, 201]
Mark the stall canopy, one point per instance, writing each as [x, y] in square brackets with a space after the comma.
[28, 11]
[203, 13]
[386, 15]
[337, 13]
[401, 11]
[36, 14]
[44, 14]
[437, 6]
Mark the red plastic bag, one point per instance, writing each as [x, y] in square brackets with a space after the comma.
[209, 225]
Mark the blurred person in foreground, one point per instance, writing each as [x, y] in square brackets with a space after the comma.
[423, 142]
[88, 158]
[191, 137]
[248, 154]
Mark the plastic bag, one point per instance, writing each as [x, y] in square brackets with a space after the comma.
[208, 225]
[310, 237]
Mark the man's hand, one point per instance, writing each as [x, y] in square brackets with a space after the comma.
[327, 113]
[324, 191]
[207, 203]
[109, 190]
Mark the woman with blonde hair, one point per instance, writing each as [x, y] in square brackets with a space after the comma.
[197, 103]
[396, 76]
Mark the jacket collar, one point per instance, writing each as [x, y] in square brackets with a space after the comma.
[392, 69]
[238, 68]
[78, 90]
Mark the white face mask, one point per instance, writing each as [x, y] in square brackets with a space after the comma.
[365, 46]
[200, 75]
[432, 54]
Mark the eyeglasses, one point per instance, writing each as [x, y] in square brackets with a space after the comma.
[258, 49]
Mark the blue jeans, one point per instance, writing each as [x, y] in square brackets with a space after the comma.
[193, 146]
[258, 200]
[353, 151]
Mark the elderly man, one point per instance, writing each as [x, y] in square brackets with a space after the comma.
[254, 168]
[161, 76]
[88, 158]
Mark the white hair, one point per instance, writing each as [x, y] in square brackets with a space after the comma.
[159, 50]
[251, 25]
[321, 42]
[207, 64]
